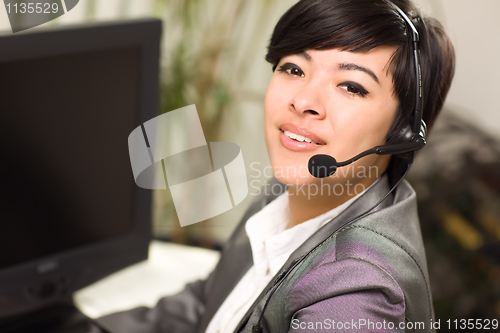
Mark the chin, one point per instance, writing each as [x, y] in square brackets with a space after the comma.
[292, 172]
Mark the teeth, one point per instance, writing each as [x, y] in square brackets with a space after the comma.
[297, 137]
[290, 134]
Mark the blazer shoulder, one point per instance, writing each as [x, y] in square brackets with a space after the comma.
[396, 227]
[391, 239]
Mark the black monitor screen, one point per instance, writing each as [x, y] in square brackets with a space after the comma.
[65, 176]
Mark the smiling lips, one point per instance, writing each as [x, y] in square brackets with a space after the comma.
[299, 139]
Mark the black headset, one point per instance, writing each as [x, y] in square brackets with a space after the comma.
[411, 139]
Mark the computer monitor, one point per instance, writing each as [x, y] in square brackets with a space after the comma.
[70, 212]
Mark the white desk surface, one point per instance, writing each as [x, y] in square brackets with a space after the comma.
[168, 269]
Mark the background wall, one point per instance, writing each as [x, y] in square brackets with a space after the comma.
[474, 28]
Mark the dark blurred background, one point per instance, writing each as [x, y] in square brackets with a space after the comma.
[457, 180]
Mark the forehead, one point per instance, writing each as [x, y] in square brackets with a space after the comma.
[379, 58]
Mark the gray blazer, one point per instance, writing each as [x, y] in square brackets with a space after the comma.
[368, 275]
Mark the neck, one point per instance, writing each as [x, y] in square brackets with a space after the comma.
[307, 202]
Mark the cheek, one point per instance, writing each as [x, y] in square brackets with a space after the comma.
[274, 105]
[388, 112]
[363, 128]
[274, 97]
[269, 113]
[382, 117]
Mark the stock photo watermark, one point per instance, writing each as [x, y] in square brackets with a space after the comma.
[327, 186]
[205, 179]
[364, 325]
[26, 14]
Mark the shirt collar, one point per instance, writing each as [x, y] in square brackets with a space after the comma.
[272, 243]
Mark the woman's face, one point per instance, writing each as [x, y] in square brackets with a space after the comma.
[331, 102]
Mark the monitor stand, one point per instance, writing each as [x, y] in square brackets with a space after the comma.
[60, 318]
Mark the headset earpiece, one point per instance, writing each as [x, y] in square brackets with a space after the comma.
[405, 135]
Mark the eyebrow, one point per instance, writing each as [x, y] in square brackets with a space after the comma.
[354, 67]
[348, 66]
[305, 55]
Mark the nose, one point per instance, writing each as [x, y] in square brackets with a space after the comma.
[310, 99]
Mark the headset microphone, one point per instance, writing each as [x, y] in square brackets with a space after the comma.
[322, 166]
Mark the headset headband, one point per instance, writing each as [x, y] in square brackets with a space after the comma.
[418, 127]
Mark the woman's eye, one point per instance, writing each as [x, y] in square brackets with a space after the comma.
[291, 69]
[353, 89]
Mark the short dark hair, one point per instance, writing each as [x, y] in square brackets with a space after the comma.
[361, 25]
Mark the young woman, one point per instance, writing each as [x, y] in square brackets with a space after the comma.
[341, 253]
